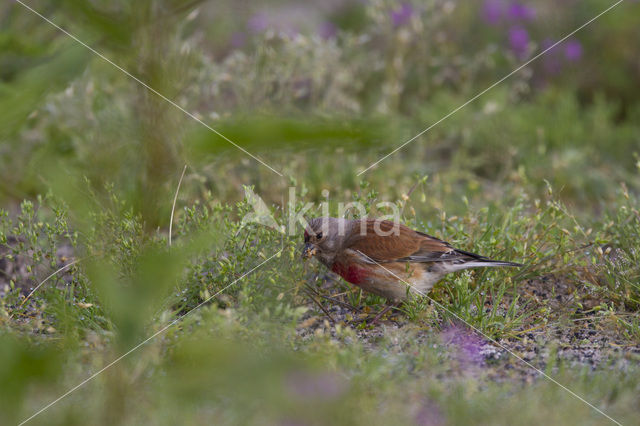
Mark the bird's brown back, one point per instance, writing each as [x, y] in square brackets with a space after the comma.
[402, 244]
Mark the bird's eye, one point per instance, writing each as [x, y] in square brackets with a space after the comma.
[319, 235]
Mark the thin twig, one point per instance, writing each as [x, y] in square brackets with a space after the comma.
[331, 299]
[413, 188]
[175, 198]
[47, 279]
[341, 303]
[317, 302]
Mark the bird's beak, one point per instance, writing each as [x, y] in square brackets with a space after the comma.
[308, 251]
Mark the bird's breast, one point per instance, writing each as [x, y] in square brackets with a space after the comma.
[352, 273]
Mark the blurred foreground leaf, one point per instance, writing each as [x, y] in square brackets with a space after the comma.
[26, 93]
[287, 133]
[21, 364]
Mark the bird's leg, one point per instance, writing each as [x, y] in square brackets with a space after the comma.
[383, 311]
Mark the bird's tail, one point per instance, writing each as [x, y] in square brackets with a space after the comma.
[472, 260]
[487, 263]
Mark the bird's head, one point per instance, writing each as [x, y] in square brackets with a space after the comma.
[324, 237]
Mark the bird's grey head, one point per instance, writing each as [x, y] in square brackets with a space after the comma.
[325, 237]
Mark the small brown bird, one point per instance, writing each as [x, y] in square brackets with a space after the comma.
[384, 257]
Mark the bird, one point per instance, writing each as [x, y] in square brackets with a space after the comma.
[385, 257]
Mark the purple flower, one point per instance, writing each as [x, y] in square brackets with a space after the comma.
[468, 343]
[327, 30]
[519, 41]
[573, 50]
[258, 22]
[492, 11]
[521, 12]
[402, 15]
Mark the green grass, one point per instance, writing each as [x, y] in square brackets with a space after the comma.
[129, 283]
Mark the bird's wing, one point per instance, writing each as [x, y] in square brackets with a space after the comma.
[380, 243]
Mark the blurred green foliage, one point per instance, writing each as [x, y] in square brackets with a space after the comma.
[23, 364]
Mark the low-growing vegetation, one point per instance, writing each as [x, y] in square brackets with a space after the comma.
[131, 294]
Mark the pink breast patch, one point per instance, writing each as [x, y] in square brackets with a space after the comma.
[351, 273]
